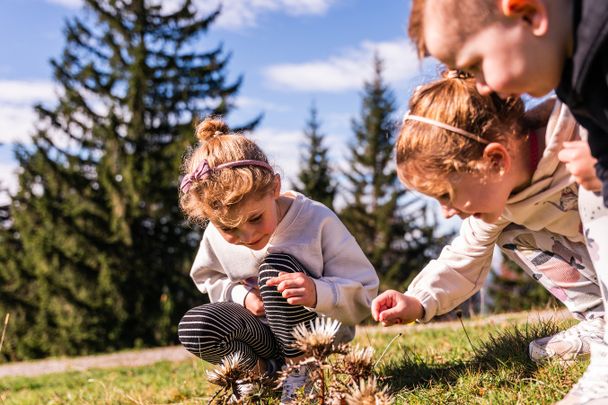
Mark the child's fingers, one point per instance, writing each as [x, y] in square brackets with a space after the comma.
[390, 322]
[378, 305]
[291, 283]
[566, 155]
[293, 292]
[291, 280]
[591, 183]
[392, 314]
[298, 296]
[276, 280]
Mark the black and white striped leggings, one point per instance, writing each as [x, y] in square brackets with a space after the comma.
[214, 331]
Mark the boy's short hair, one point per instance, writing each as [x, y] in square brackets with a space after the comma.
[475, 13]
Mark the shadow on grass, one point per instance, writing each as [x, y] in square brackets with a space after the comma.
[506, 349]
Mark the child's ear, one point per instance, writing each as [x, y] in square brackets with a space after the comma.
[534, 12]
[276, 191]
[498, 158]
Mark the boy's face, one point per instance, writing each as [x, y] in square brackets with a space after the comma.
[508, 57]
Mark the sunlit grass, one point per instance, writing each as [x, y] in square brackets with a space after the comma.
[422, 366]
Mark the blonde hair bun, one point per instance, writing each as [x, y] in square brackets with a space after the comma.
[456, 74]
[211, 127]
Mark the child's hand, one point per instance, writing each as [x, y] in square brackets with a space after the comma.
[579, 162]
[393, 307]
[254, 303]
[297, 288]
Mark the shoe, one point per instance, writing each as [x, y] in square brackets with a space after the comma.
[298, 377]
[592, 388]
[245, 391]
[273, 366]
[245, 388]
[568, 344]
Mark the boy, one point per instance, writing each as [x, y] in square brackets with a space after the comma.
[535, 46]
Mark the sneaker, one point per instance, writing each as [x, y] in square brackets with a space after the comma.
[298, 377]
[592, 388]
[568, 344]
[245, 388]
[245, 391]
[273, 366]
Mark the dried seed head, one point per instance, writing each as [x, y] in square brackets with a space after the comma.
[317, 340]
[367, 393]
[229, 372]
[358, 362]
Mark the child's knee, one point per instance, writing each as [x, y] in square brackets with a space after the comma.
[281, 262]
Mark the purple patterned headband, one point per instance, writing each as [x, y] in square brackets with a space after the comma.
[203, 170]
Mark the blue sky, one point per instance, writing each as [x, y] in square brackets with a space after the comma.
[290, 52]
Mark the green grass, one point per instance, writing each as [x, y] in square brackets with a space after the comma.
[422, 366]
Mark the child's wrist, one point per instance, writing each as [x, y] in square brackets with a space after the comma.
[422, 311]
[418, 310]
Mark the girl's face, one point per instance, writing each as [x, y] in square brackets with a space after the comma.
[260, 218]
[484, 197]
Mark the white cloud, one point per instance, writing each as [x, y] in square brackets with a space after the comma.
[258, 105]
[280, 145]
[348, 70]
[23, 91]
[8, 180]
[16, 123]
[283, 148]
[67, 3]
[17, 115]
[237, 14]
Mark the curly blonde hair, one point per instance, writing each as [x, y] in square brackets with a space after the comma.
[217, 196]
[427, 155]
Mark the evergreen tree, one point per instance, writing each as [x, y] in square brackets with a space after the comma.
[314, 177]
[96, 244]
[393, 227]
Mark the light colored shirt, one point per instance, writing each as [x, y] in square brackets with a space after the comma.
[549, 203]
[345, 280]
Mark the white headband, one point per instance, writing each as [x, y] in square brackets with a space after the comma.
[440, 124]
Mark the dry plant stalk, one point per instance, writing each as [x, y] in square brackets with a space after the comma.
[339, 374]
[347, 377]
[6, 318]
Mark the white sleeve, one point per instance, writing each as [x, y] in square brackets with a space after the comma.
[460, 270]
[349, 282]
[210, 278]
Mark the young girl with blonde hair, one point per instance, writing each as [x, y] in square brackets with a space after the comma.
[486, 161]
[268, 260]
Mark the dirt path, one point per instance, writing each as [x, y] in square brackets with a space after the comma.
[132, 358]
[178, 353]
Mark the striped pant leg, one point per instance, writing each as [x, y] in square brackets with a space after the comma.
[214, 331]
[281, 315]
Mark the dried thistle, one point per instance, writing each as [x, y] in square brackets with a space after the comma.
[229, 372]
[317, 341]
[257, 390]
[358, 362]
[367, 393]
